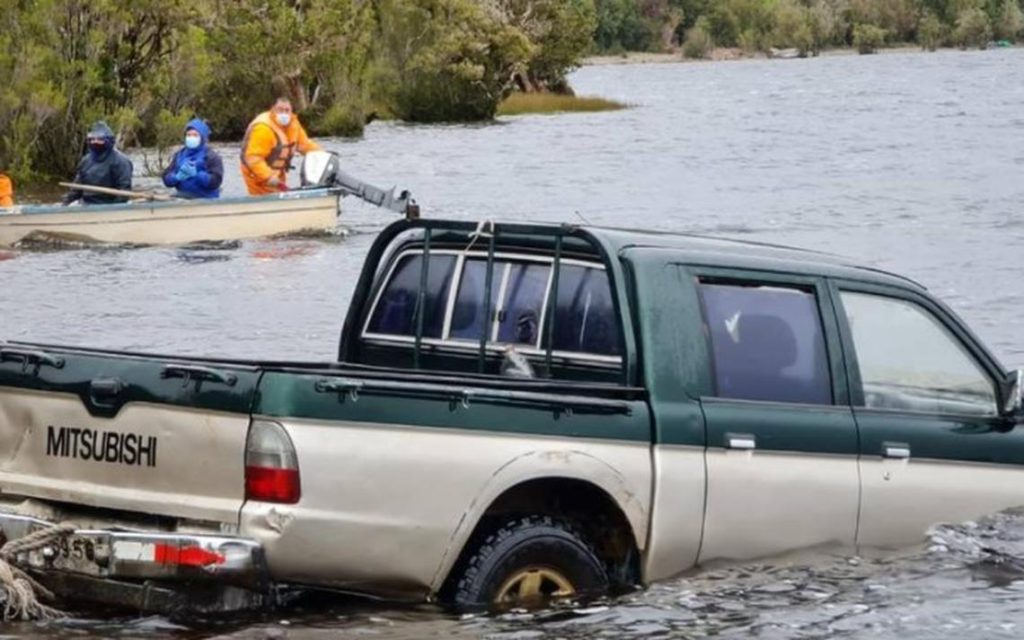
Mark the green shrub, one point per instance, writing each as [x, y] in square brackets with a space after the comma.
[698, 43]
[621, 23]
[344, 118]
[867, 38]
[793, 27]
[751, 41]
[448, 60]
[1010, 21]
[930, 32]
[724, 25]
[973, 29]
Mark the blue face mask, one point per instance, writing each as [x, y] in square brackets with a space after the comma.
[193, 142]
[284, 119]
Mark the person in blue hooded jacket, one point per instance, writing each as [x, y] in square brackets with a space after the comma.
[196, 170]
[102, 166]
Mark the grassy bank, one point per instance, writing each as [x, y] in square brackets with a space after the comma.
[531, 103]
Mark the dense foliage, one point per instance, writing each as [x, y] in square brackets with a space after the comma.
[147, 66]
[807, 25]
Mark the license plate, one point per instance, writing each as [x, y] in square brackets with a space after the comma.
[75, 553]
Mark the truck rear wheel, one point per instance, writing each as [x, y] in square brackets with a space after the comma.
[527, 563]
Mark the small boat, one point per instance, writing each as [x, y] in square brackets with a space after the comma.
[161, 219]
[176, 221]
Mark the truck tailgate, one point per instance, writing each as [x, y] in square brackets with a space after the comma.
[134, 433]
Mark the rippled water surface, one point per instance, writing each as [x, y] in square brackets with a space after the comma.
[911, 162]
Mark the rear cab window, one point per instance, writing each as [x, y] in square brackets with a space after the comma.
[460, 312]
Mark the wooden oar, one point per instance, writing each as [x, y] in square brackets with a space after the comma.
[135, 195]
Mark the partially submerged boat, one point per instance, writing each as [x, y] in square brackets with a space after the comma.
[176, 221]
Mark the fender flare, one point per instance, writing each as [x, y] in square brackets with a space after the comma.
[544, 464]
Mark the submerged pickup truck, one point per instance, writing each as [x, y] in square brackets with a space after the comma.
[517, 412]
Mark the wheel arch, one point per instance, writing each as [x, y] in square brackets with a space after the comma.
[541, 482]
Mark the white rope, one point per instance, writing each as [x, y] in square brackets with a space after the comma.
[480, 233]
[22, 592]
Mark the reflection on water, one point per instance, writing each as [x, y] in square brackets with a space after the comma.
[911, 162]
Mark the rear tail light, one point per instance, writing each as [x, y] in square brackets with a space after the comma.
[271, 466]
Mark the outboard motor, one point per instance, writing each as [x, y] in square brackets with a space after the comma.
[322, 170]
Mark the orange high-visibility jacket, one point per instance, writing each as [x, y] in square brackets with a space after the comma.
[6, 191]
[268, 148]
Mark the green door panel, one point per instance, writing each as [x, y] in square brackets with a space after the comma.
[799, 429]
[966, 439]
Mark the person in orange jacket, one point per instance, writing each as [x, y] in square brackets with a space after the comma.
[6, 191]
[271, 140]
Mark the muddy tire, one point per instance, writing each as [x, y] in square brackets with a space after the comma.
[527, 562]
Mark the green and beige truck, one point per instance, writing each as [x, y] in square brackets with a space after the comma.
[517, 412]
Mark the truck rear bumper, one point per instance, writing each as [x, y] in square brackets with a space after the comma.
[143, 556]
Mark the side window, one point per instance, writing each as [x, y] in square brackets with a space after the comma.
[395, 313]
[767, 343]
[585, 317]
[909, 361]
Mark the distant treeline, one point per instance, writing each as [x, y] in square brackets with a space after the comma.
[807, 25]
[146, 66]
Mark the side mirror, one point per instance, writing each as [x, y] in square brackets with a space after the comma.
[1015, 398]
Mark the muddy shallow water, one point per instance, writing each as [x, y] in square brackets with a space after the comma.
[967, 581]
[911, 162]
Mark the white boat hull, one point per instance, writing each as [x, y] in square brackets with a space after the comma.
[177, 221]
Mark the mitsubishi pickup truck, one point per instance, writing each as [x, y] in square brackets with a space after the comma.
[518, 412]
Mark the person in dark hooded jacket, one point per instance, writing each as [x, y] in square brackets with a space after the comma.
[196, 170]
[102, 166]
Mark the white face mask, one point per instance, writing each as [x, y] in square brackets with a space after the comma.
[284, 119]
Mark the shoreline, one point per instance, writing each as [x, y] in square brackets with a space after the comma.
[730, 54]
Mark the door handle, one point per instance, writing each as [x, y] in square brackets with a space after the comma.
[340, 386]
[197, 373]
[741, 441]
[27, 356]
[896, 450]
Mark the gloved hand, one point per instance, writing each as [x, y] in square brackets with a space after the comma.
[188, 169]
[180, 176]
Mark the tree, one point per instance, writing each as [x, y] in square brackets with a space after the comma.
[972, 29]
[1009, 22]
[930, 32]
[448, 60]
[621, 26]
[868, 38]
[561, 32]
[698, 42]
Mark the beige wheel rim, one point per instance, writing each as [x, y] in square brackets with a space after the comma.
[534, 583]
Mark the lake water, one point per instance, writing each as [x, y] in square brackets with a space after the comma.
[911, 162]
